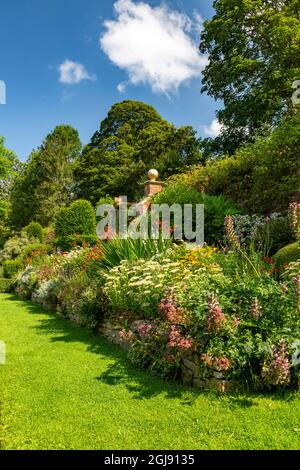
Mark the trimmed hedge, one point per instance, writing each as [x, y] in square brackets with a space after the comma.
[35, 230]
[12, 266]
[6, 285]
[39, 248]
[71, 241]
[288, 254]
[77, 219]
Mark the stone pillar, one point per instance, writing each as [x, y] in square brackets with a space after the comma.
[152, 186]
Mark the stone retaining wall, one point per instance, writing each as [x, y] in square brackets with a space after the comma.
[213, 379]
[191, 374]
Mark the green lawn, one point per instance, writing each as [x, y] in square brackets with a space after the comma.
[63, 388]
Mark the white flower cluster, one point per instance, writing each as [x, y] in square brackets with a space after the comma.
[141, 284]
[42, 295]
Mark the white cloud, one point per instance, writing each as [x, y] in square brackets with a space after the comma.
[214, 129]
[71, 73]
[121, 87]
[154, 45]
[198, 22]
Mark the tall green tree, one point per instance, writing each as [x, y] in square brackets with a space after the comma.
[254, 58]
[46, 184]
[132, 139]
[9, 165]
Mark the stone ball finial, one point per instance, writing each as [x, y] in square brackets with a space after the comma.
[153, 175]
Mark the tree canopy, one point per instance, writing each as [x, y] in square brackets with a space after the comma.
[8, 165]
[253, 48]
[261, 177]
[46, 183]
[132, 139]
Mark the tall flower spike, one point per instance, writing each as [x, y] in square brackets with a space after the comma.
[297, 290]
[256, 308]
[277, 370]
[216, 318]
[230, 233]
[294, 217]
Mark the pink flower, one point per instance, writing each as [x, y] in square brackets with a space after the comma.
[277, 370]
[222, 363]
[126, 335]
[170, 310]
[216, 318]
[296, 281]
[236, 322]
[145, 329]
[176, 340]
[207, 359]
[230, 233]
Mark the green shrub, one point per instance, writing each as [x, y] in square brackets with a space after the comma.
[37, 249]
[70, 242]
[260, 177]
[216, 208]
[288, 254]
[80, 300]
[12, 266]
[35, 230]
[26, 283]
[6, 285]
[46, 294]
[49, 235]
[14, 247]
[178, 193]
[78, 219]
[275, 234]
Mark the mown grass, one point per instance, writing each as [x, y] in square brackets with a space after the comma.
[63, 388]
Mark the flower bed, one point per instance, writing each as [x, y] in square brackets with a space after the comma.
[211, 318]
[191, 371]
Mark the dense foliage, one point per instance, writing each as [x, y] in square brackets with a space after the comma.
[230, 307]
[35, 230]
[9, 166]
[227, 311]
[216, 208]
[253, 49]
[75, 224]
[132, 139]
[46, 183]
[260, 177]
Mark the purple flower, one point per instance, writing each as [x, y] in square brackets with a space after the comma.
[276, 371]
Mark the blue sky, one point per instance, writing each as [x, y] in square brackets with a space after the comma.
[64, 64]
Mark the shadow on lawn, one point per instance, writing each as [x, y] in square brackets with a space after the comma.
[137, 381]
